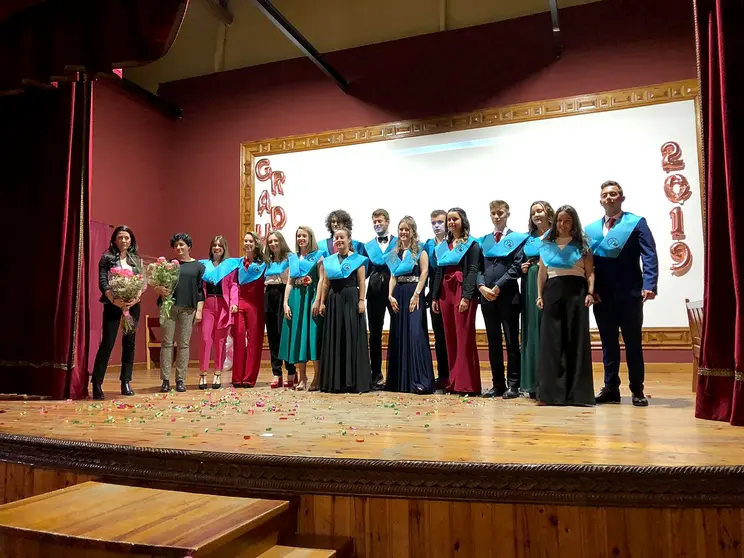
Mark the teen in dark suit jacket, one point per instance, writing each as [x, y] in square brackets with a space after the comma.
[626, 275]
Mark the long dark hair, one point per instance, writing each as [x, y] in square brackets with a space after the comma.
[531, 227]
[133, 250]
[221, 241]
[465, 224]
[577, 232]
[283, 248]
[258, 255]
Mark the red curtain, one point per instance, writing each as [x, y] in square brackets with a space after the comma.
[100, 236]
[720, 44]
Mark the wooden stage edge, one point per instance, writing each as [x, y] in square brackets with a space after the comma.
[474, 450]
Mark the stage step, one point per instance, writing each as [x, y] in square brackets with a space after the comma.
[95, 519]
[280, 551]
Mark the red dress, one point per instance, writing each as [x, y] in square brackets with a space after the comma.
[248, 323]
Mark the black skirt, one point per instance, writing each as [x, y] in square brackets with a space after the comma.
[344, 358]
[564, 368]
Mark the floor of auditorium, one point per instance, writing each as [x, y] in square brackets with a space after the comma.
[393, 426]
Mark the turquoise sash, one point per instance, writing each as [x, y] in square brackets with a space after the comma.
[503, 248]
[533, 245]
[357, 246]
[611, 245]
[301, 267]
[553, 256]
[254, 271]
[446, 257]
[430, 247]
[377, 256]
[214, 274]
[276, 268]
[404, 266]
[337, 269]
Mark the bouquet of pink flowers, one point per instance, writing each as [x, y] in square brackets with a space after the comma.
[164, 274]
[126, 285]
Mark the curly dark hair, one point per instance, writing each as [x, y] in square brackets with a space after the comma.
[342, 218]
[182, 236]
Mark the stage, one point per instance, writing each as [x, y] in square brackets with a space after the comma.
[348, 456]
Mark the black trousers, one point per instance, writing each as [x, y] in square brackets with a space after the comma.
[626, 315]
[274, 315]
[111, 321]
[497, 315]
[440, 346]
[377, 304]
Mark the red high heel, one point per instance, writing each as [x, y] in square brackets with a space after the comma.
[277, 383]
[290, 383]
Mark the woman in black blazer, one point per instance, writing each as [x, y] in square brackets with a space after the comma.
[122, 252]
[453, 294]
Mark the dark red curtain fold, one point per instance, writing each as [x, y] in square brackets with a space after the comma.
[100, 235]
[720, 44]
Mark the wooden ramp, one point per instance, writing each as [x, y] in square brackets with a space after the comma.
[97, 520]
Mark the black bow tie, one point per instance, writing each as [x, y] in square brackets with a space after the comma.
[382, 239]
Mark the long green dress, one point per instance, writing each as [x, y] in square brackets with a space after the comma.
[301, 336]
[531, 318]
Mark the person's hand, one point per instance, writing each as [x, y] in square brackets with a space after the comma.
[316, 308]
[162, 291]
[360, 307]
[435, 306]
[526, 267]
[198, 317]
[414, 304]
[233, 309]
[648, 295]
[394, 304]
[539, 302]
[322, 309]
[487, 293]
[119, 303]
[288, 311]
[464, 305]
[589, 300]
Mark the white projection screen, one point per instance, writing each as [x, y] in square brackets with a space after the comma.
[561, 160]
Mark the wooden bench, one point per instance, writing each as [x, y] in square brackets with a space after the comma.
[97, 520]
[695, 319]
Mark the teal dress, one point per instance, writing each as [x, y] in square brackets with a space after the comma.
[301, 335]
[531, 320]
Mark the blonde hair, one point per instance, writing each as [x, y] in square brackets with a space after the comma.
[414, 247]
[312, 244]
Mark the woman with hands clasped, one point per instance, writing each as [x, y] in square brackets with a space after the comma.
[565, 291]
[409, 367]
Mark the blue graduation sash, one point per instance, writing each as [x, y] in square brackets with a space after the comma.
[611, 245]
[254, 271]
[553, 256]
[430, 247]
[214, 274]
[404, 266]
[377, 256]
[336, 269]
[533, 244]
[301, 267]
[446, 257]
[357, 246]
[507, 244]
[276, 268]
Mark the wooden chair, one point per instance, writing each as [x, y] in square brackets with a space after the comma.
[695, 318]
[151, 339]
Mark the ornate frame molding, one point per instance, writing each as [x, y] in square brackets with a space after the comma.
[523, 112]
[598, 485]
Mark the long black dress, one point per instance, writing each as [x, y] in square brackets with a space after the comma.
[410, 367]
[344, 358]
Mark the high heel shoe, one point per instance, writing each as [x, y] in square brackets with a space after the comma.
[126, 389]
[277, 383]
[97, 391]
[313, 385]
[203, 381]
[217, 381]
[301, 385]
[290, 382]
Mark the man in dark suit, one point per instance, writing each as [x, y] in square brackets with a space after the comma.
[626, 271]
[501, 268]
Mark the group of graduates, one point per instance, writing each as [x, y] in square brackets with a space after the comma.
[326, 304]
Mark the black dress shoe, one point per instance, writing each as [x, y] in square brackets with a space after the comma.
[608, 395]
[165, 388]
[377, 387]
[511, 393]
[237, 385]
[533, 395]
[378, 381]
[180, 386]
[496, 391]
[246, 385]
[126, 389]
[97, 391]
[441, 383]
[639, 399]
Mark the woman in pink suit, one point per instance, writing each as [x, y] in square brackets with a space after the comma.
[221, 302]
[248, 322]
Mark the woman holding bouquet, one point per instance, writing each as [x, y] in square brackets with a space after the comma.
[345, 364]
[121, 254]
[221, 302]
[276, 279]
[188, 304]
[301, 330]
[249, 320]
